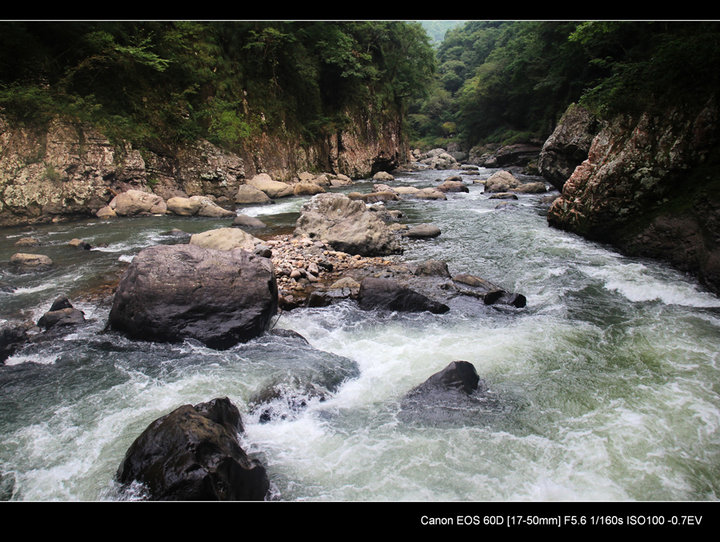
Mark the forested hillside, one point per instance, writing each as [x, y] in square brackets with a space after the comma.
[223, 81]
[507, 81]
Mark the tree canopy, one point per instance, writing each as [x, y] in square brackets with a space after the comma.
[225, 80]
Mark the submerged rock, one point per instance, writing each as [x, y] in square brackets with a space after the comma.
[173, 292]
[194, 454]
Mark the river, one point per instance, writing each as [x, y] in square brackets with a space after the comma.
[609, 377]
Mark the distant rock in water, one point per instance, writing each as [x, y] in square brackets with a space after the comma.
[173, 292]
[61, 314]
[455, 394]
[194, 454]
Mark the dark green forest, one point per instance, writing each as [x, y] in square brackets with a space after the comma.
[229, 81]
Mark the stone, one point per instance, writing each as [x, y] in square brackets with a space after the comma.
[27, 242]
[137, 202]
[383, 176]
[25, 260]
[194, 454]
[307, 188]
[248, 194]
[61, 314]
[273, 189]
[531, 188]
[106, 212]
[346, 225]
[225, 239]
[387, 294]
[170, 293]
[501, 181]
[452, 185]
[12, 338]
[422, 231]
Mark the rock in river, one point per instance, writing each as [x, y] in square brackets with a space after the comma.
[346, 225]
[387, 294]
[193, 454]
[173, 292]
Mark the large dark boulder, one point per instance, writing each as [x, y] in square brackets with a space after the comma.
[193, 454]
[387, 294]
[173, 292]
[454, 394]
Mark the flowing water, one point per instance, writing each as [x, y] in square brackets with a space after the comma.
[609, 378]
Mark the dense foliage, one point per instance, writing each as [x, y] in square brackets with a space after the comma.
[227, 81]
[511, 80]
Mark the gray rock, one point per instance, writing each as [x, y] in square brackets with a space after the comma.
[346, 225]
[174, 292]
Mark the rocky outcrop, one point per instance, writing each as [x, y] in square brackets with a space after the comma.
[69, 169]
[174, 292]
[194, 454]
[568, 146]
[346, 225]
[649, 186]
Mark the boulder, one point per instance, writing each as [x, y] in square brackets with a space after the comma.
[501, 181]
[106, 212]
[194, 454]
[307, 188]
[531, 188]
[79, 243]
[197, 206]
[422, 231]
[61, 314]
[454, 394]
[346, 225]
[30, 261]
[387, 294]
[383, 176]
[273, 189]
[27, 242]
[453, 185]
[225, 239]
[170, 293]
[249, 194]
[137, 202]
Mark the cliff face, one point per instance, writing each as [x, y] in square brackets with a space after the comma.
[73, 170]
[649, 186]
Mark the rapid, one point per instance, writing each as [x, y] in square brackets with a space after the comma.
[609, 377]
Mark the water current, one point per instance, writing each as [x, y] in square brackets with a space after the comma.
[609, 377]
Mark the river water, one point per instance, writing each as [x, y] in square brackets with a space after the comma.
[609, 377]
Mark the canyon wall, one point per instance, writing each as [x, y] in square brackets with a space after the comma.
[649, 186]
[71, 170]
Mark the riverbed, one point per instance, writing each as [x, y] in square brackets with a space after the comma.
[608, 378]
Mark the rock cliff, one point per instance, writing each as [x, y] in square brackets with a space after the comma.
[69, 169]
[649, 186]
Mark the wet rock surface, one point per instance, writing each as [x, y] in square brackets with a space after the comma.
[173, 292]
[194, 454]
